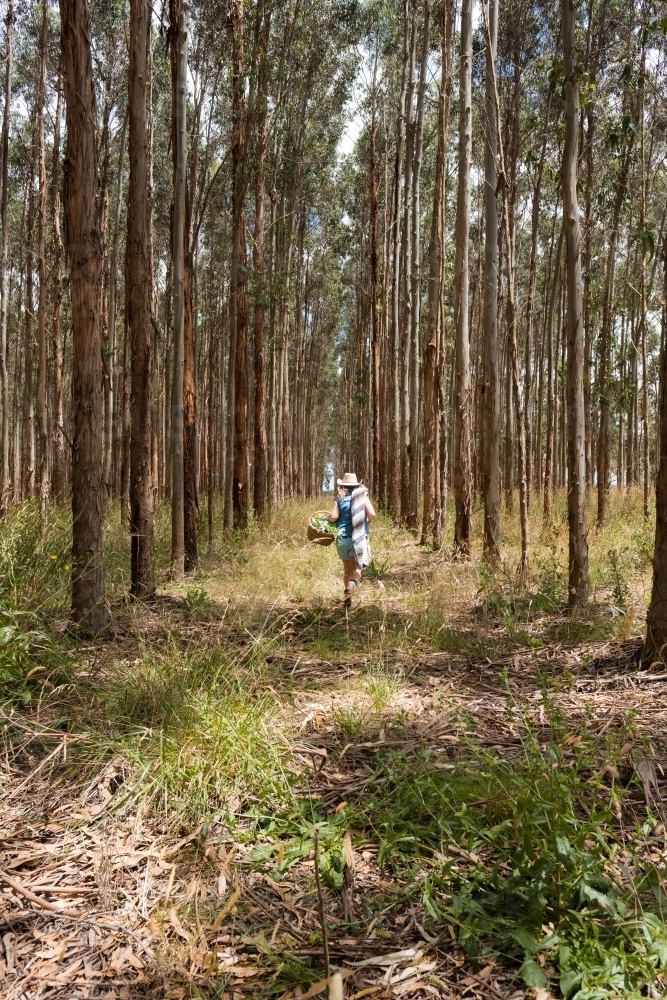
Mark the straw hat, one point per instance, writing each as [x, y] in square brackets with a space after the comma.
[349, 479]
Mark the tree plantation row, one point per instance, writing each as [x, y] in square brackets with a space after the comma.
[420, 239]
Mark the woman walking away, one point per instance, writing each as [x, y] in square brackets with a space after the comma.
[353, 513]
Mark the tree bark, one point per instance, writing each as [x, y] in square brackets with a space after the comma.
[190, 501]
[28, 415]
[530, 302]
[179, 67]
[407, 262]
[462, 431]
[642, 272]
[240, 484]
[238, 400]
[513, 360]
[260, 470]
[84, 246]
[656, 618]
[42, 423]
[608, 322]
[375, 323]
[491, 378]
[551, 401]
[436, 253]
[138, 298]
[576, 456]
[111, 332]
[4, 255]
[395, 336]
[58, 439]
[415, 352]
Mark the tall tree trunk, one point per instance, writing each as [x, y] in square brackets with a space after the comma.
[190, 501]
[576, 456]
[522, 569]
[260, 471]
[16, 436]
[375, 322]
[530, 302]
[551, 400]
[434, 334]
[238, 400]
[605, 386]
[179, 69]
[28, 431]
[395, 337]
[407, 262]
[58, 439]
[111, 332]
[491, 379]
[84, 246]
[413, 509]
[656, 618]
[462, 430]
[240, 484]
[104, 159]
[42, 424]
[588, 319]
[138, 298]
[4, 254]
[642, 272]
[126, 423]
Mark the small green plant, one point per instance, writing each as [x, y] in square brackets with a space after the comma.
[551, 580]
[643, 539]
[376, 570]
[381, 686]
[351, 718]
[29, 657]
[619, 587]
[198, 604]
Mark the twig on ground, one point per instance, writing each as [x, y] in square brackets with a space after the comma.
[52, 909]
[34, 898]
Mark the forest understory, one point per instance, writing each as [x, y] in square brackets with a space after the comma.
[474, 775]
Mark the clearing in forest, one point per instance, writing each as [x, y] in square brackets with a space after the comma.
[454, 789]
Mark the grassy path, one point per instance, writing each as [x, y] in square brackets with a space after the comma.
[475, 779]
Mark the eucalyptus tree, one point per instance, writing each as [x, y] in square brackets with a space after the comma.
[179, 28]
[491, 377]
[4, 254]
[462, 402]
[138, 305]
[83, 248]
[578, 581]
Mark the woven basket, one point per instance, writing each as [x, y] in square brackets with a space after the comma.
[318, 537]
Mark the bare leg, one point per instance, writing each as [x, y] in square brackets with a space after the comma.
[351, 573]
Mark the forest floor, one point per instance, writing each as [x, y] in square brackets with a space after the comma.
[474, 779]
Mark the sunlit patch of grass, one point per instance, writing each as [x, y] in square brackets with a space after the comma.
[203, 734]
[582, 630]
[381, 685]
[352, 716]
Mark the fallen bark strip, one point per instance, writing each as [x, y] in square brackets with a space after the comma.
[70, 914]
[38, 900]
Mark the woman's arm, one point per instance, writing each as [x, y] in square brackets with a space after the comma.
[334, 513]
[370, 510]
